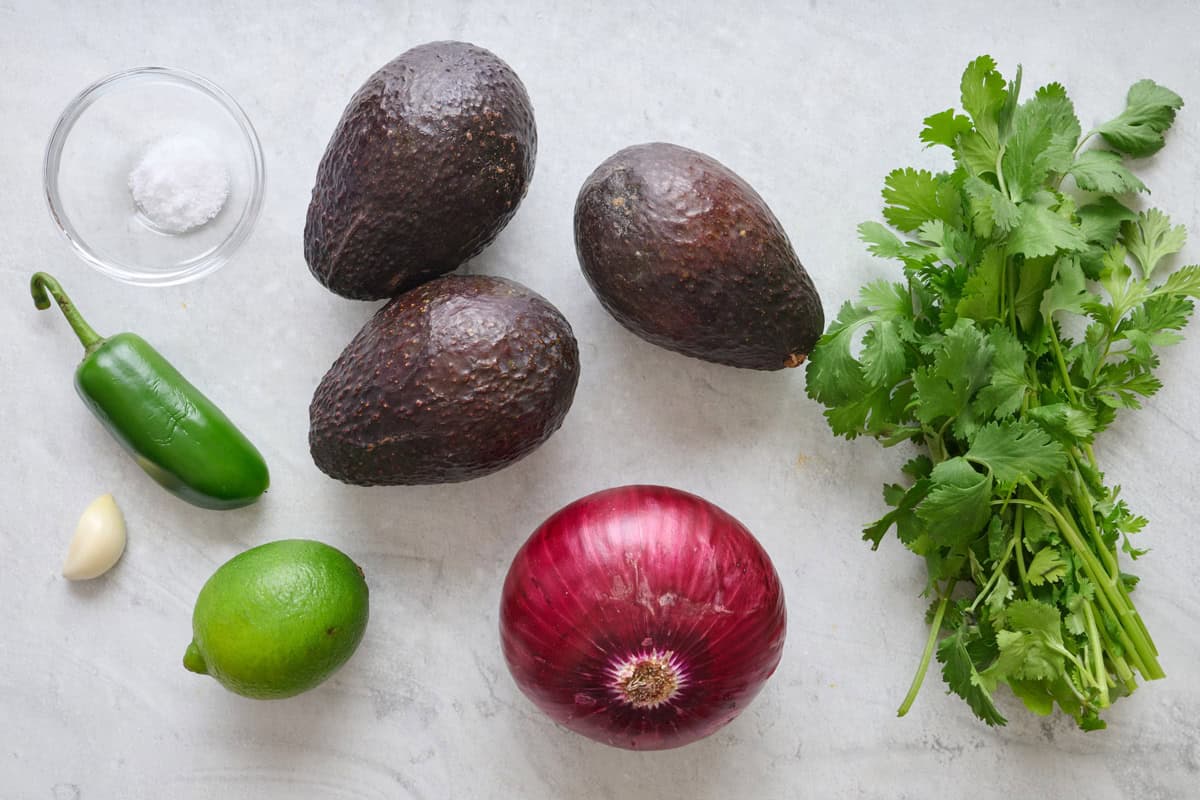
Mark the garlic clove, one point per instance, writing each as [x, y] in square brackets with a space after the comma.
[99, 541]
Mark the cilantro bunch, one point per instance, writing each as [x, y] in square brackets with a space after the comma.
[1026, 318]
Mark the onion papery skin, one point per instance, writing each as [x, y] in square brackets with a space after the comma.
[642, 572]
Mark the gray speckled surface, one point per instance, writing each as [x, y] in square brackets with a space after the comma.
[812, 103]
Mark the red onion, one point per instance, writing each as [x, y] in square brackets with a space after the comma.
[642, 617]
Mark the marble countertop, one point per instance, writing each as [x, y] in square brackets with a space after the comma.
[813, 103]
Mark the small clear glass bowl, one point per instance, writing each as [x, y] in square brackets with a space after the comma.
[99, 139]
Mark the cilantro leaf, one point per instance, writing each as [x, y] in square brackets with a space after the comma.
[1032, 282]
[958, 369]
[1025, 656]
[1100, 222]
[1149, 111]
[1183, 281]
[1047, 566]
[944, 128]
[1031, 646]
[1150, 238]
[1153, 324]
[1045, 131]
[1002, 397]
[983, 96]
[1064, 422]
[1002, 591]
[903, 516]
[981, 299]
[918, 196]
[1034, 694]
[991, 209]
[882, 355]
[1068, 289]
[960, 674]
[1017, 450]
[957, 505]
[1041, 232]
[998, 535]
[880, 241]
[1104, 171]
[833, 375]
[1125, 293]
[868, 413]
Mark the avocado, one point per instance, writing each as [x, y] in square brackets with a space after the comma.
[448, 382]
[428, 163]
[686, 255]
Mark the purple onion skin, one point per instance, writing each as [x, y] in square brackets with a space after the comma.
[637, 572]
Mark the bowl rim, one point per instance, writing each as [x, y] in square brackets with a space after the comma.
[192, 269]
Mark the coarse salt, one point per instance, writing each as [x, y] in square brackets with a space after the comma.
[179, 184]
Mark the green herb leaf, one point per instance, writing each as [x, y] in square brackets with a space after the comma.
[1043, 139]
[960, 674]
[834, 376]
[915, 197]
[994, 214]
[1104, 171]
[1002, 591]
[959, 368]
[983, 97]
[956, 507]
[1149, 111]
[1031, 647]
[1032, 282]
[1184, 281]
[908, 525]
[1068, 289]
[1004, 394]
[1017, 451]
[1047, 567]
[881, 241]
[944, 128]
[981, 300]
[1041, 232]
[1064, 422]
[1150, 238]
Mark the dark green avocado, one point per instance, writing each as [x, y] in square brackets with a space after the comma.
[448, 382]
[685, 254]
[428, 163]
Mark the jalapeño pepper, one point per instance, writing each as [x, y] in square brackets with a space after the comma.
[175, 433]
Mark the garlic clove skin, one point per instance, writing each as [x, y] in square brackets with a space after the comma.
[99, 541]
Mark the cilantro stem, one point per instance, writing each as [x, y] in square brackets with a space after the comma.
[1089, 518]
[935, 629]
[1126, 614]
[1119, 663]
[1100, 362]
[1000, 170]
[1084, 672]
[1097, 654]
[1084, 140]
[1062, 366]
[996, 573]
[936, 444]
[1123, 635]
[1019, 538]
[1010, 289]
[1109, 555]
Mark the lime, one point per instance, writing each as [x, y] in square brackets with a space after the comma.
[278, 619]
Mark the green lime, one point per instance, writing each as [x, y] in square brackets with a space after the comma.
[278, 619]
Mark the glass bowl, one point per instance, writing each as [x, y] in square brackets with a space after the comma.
[103, 134]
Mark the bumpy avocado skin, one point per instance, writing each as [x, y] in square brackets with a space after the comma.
[685, 254]
[428, 163]
[450, 381]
